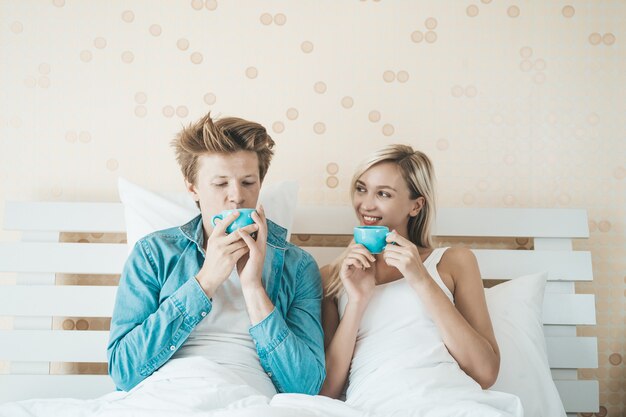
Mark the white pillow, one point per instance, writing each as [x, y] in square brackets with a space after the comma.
[516, 308]
[147, 211]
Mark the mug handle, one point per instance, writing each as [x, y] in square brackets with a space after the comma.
[392, 243]
[217, 216]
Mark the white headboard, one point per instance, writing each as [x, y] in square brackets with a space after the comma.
[32, 344]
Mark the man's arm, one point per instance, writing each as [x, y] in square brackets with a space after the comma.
[291, 348]
[144, 335]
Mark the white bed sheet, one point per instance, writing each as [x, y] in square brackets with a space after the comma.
[197, 387]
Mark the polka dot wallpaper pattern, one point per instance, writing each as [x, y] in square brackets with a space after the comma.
[518, 103]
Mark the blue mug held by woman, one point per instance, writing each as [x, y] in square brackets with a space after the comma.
[372, 237]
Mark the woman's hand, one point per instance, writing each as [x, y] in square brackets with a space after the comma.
[402, 254]
[250, 265]
[357, 274]
[222, 253]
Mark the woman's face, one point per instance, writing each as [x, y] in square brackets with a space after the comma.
[381, 198]
[226, 181]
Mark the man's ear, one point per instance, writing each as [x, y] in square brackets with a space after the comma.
[418, 204]
[191, 189]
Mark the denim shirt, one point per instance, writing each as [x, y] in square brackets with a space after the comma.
[159, 303]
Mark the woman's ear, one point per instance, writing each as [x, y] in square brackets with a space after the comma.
[418, 204]
[191, 189]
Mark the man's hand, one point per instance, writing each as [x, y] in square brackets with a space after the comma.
[250, 265]
[222, 253]
[250, 269]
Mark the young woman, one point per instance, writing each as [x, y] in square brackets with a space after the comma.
[408, 327]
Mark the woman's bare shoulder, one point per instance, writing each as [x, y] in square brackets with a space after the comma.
[457, 258]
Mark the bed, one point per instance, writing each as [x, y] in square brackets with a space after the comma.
[508, 243]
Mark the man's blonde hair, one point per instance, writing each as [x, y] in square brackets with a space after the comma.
[227, 135]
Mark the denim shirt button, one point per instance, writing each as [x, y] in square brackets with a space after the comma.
[269, 374]
[203, 314]
[172, 348]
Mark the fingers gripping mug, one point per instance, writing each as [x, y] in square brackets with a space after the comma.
[244, 219]
[372, 237]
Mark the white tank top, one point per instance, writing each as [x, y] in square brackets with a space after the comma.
[223, 337]
[396, 329]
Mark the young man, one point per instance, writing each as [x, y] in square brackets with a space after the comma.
[249, 303]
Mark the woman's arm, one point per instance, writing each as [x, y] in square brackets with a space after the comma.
[340, 335]
[465, 326]
[341, 348]
[466, 329]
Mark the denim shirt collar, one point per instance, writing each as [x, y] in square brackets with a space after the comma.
[193, 230]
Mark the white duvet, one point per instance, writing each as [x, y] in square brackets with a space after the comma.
[194, 387]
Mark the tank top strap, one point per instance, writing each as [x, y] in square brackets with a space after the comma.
[431, 265]
[434, 257]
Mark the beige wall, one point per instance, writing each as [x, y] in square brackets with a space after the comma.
[519, 104]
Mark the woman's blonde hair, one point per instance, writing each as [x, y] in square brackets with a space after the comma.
[418, 173]
[227, 135]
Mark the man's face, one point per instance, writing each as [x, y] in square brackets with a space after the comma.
[226, 181]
